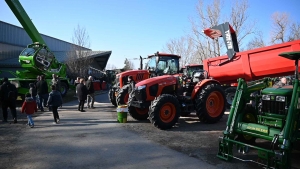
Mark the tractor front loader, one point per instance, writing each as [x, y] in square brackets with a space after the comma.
[273, 117]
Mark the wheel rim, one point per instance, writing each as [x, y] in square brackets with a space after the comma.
[141, 111]
[126, 98]
[230, 97]
[167, 112]
[215, 104]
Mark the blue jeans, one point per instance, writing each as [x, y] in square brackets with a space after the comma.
[30, 121]
[43, 101]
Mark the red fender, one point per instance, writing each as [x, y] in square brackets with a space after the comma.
[199, 85]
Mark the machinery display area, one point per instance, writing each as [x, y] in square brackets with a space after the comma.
[259, 110]
[36, 59]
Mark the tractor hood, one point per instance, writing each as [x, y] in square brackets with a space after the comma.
[131, 72]
[160, 80]
[284, 91]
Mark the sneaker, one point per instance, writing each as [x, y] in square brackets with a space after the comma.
[57, 120]
[54, 122]
[82, 110]
[31, 126]
[15, 121]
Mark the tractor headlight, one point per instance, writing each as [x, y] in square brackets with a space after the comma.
[141, 87]
[280, 98]
[266, 97]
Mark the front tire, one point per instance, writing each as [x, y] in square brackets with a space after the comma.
[229, 93]
[64, 89]
[164, 111]
[122, 97]
[112, 97]
[210, 103]
[137, 113]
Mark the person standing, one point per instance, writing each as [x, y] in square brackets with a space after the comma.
[91, 93]
[29, 107]
[131, 84]
[56, 82]
[55, 100]
[8, 96]
[81, 94]
[42, 91]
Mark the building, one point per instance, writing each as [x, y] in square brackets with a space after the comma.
[13, 39]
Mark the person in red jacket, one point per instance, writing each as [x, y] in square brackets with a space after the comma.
[29, 107]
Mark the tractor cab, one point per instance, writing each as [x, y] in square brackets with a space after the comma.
[163, 64]
[192, 74]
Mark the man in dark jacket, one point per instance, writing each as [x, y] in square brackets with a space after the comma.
[54, 101]
[131, 84]
[91, 93]
[42, 91]
[8, 96]
[81, 94]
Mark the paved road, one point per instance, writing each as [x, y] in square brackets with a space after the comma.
[92, 139]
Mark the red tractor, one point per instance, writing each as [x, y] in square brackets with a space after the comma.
[157, 66]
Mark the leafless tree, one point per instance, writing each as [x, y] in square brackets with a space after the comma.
[110, 67]
[77, 58]
[211, 15]
[256, 42]
[183, 47]
[280, 25]
[128, 65]
[295, 31]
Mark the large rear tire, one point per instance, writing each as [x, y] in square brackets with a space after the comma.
[64, 89]
[164, 111]
[122, 97]
[137, 113]
[229, 93]
[210, 103]
[112, 97]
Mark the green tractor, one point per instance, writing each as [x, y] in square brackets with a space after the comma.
[273, 117]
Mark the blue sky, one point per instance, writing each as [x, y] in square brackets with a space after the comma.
[130, 28]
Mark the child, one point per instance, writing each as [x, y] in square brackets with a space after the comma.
[54, 100]
[32, 91]
[29, 107]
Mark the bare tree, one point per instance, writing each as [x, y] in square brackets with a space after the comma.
[77, 58]
[280, 25]
[295, 31]
[239, 20]
[183, 47]
[212, 15]
[128, 65]
[110, 67]
[256, 42]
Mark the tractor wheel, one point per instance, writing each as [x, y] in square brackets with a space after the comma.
[63, 89]
[112, 97]
[122, 97]
[164, 111]
[210, 103]
[248, 117]
[137, 113]
[229, 93]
